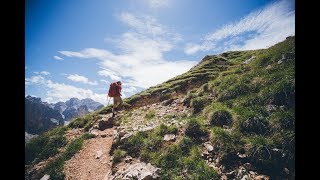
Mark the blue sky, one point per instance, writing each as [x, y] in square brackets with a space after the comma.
[75, 48]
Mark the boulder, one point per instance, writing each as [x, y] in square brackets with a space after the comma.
[104, 124]
[169, 137]
[45, 177]
[98, 154]
[139, 170]
[208, 146]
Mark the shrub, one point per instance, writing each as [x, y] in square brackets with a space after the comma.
[203, 89]
[54, 169]
[186, 144]
[131, 100]
[105, 110]
[135, 143]
[177, 166]
[118, 154]
[196, 130]
[85, 122]
[283, 120]
[197, 104]
[153, 142]
[227, 145]
[170, 158]
[165, 96]
[255, 125]
[190, 95]
[220, 118]
[163, 129]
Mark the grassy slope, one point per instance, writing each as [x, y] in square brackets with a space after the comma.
[249, 108]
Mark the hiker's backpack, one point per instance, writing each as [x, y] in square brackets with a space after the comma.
[113, 90]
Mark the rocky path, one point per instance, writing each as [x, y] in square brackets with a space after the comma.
[93, 160]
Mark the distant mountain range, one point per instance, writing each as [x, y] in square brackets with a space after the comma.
[41, 116]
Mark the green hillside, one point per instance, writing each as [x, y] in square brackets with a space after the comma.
[242, 103]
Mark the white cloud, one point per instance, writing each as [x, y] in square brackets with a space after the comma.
[62, 92]
[35, 80]
[82, 79]
[157, 3]
[57, 58]
[130, 89]
[102, 80]
[144, 24]
[44, 73]
[140, 62]
[259, 29]
[108, 73]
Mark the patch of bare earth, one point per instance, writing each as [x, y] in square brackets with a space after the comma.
[93, 160]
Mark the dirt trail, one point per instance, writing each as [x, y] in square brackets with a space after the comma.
[84, 165]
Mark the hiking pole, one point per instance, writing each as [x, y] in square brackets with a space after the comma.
[109, 100]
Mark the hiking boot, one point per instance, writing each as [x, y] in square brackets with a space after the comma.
[113, 114]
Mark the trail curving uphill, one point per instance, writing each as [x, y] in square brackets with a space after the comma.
[93, 160]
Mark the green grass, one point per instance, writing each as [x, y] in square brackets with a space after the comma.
[85, 122]
[125, 117]
[227, 145]
[198, 103]
[118, 154]
[172, 158]
[45, 145]
[241, 94]
[150, 115]
[195, 130]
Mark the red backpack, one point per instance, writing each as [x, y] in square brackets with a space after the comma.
[113, 90]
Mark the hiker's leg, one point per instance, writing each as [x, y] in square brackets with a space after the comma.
[120, 103]
[114, 105]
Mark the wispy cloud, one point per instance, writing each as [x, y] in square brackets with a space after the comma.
[82, 79]
[259, 29]
[157, 3]
[141, 61]
[102, 80]
[57, 58]
[42, 73]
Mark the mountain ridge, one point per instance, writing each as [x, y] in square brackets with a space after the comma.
[41, 116]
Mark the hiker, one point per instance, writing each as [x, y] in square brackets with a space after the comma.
[115, 92]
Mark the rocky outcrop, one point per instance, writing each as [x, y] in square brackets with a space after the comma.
[169, 137]
[139, 170]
